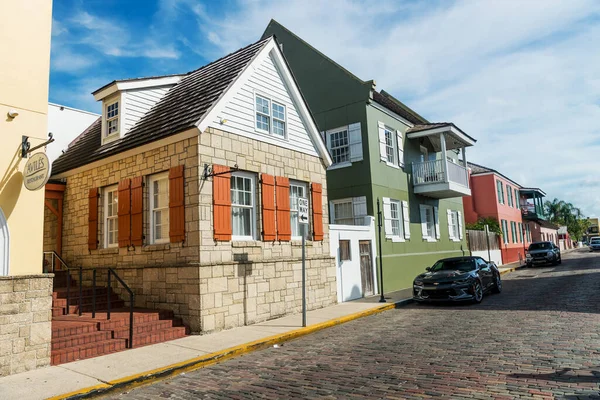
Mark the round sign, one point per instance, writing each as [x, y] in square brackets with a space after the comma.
[36, 172]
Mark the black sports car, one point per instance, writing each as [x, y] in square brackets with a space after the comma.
[457, 279]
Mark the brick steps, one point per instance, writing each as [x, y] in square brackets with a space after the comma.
[143, 328]
[159, 336]
[78, 340]
[88, 350]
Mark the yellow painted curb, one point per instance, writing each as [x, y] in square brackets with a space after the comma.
[157, 374]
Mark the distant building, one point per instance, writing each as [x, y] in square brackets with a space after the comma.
[65, 124]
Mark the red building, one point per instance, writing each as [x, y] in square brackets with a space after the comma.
[497, 196]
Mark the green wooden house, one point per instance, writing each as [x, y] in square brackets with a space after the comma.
[382, 150]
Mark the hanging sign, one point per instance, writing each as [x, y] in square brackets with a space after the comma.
[36, 172]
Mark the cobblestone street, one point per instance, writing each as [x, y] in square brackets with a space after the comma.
[540, 338]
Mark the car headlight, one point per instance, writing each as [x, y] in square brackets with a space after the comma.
[549, 254]
[418, 283]
[528, 255]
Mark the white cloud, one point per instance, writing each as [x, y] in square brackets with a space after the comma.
[521, 78]
[66, 61]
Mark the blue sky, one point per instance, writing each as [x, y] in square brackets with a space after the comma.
[522, 77]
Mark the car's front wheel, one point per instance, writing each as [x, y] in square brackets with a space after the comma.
[497, 284]
[477, 290]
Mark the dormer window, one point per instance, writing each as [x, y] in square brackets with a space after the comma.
[112, 118]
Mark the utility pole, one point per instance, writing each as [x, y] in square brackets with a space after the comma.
[379, 223]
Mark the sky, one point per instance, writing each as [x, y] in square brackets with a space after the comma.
[522, 77]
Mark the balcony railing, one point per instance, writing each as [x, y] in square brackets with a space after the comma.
[433, 172]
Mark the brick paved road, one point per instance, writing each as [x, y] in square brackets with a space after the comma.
[540, 338]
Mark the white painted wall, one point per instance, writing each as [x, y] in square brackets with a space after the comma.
[496, 255]
[136, 103]
[349, 285]
[66, 125]
[239, 110]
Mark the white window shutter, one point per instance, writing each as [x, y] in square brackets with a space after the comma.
[406, 217]
[382, 147]
[400, 149]
[423, 221]
[437, 222]
[355, 135]
[460, 225]
[359, 208]
[450, 227]
[387, 217]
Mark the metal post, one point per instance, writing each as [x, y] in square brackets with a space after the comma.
[94, 293]
[131, 300]
[108, 297]
[303, 274]
[68, 290]
[379, 222]
[487, 236]
[80, 290]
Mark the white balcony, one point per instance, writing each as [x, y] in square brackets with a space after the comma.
[430, 179]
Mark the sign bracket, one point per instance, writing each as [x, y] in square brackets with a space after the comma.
[26, 146]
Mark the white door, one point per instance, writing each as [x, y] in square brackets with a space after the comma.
[4, 242]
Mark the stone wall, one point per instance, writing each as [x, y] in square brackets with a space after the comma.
[25, 327]
[211, 285]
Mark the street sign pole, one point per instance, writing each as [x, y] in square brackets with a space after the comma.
[303, 220]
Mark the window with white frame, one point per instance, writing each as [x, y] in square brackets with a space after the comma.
[453, 225]
[297, 190]
[111, 216]
[339, 145]
[159, 208]
[350, 211]
[504, 231]
[112, 118]
[278, 119]
[270, 116]
[243, 212]
[395, 217]
[390, 148]
[429, 223]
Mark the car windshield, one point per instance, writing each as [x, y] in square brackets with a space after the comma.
[595, 240]
[463, 264]
[540, 246]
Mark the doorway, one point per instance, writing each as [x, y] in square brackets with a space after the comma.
[366, 267]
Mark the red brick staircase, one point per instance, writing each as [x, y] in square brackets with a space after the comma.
[77, 337]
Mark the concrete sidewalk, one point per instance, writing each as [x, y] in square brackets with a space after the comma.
[133, 367]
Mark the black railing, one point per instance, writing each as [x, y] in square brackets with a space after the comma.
[131, 299]
[111, 272]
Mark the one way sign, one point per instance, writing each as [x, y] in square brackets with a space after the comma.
[303, 210]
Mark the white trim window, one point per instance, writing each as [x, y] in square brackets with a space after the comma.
[263, 114]
[430, 228]
[297, 190]
[278, 119]
[349, 211]
[112, 118]
[500, 190]
[339, 145]
[243, 206]
[455, 225]
[390, 146]
[159, 208]
[396, 220]
[391, 149]
[504, 231]
[111, 216]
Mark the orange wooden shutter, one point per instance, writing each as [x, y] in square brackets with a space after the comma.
[268, 207]
[176, 205]
[124, 212]
[93, 219]
[284, 227]
[137, 194]
[317, 210]
[222, 203]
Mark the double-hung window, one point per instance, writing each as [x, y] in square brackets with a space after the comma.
[500, 191]
[516, 198]
[112, 118]
[504, 231]
[111, 216]
[297, 190]
[243, 212]
[390, 146]
[428, 222]
[509, 194]
[350, 211]
[453, 227]
[270, 116]
[159, 208]
[395, 217]
[339, 145]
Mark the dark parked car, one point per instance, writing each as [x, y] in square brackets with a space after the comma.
[457, 279]
[543, 253]
[595, 243]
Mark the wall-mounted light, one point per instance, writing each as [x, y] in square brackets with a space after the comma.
[222, 121]
[12, 113]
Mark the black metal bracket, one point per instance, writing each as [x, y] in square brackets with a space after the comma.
[207, 173]
[26, 146]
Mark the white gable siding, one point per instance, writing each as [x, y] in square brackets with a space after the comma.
[136, 103]
[239, 110]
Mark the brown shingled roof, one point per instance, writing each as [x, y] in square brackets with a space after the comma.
[180, 109]
[396, 106]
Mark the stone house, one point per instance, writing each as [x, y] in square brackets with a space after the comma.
[188, 187]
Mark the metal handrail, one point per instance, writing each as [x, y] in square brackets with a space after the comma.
[54, 255]
[131, 299]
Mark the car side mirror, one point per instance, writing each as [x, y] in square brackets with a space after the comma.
[428, 269]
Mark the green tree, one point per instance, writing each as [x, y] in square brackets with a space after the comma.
[491, 222]
[560, 212]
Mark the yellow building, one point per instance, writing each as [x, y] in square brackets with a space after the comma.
[25, 292]
[594, 228]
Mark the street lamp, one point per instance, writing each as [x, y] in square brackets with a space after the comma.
[379, 223]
